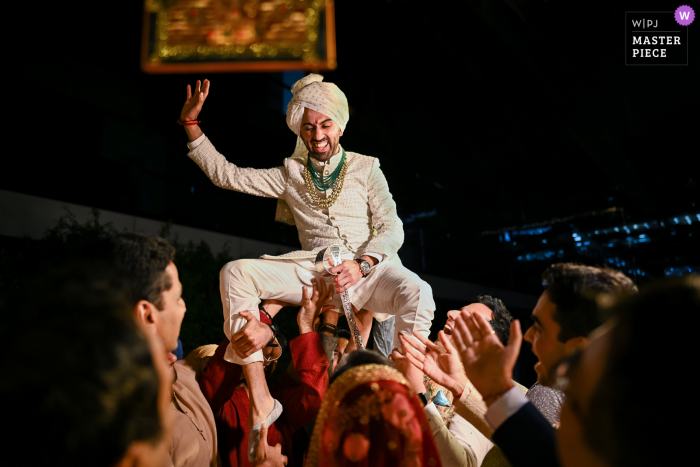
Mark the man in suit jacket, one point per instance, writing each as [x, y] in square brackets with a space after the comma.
[334, 197]
[565, 314]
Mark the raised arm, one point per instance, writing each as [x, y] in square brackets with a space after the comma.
[270, 183]
[193, 105]
[385, 219]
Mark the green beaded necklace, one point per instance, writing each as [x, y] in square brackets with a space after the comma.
[323, 182]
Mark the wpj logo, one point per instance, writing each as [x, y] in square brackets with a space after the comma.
[657, 37]
[640, 23]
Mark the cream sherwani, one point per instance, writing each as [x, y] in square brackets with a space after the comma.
[363, 206]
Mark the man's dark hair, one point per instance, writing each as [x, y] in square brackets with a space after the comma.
[143, 259]
[357, 358]
[501, 317]
[639, 343]
[344, 334]
[575, 291]
[83, 379]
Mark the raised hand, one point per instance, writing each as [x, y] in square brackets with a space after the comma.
[252, 337]
[442, 365]
[193, 104]
[404, 365]
[268, 456]
[489, 365]
[312, 306]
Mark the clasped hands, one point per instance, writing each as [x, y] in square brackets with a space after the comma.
[488, 364]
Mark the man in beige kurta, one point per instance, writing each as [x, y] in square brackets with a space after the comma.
[363, 219]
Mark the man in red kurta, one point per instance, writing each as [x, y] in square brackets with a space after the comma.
[221, 385]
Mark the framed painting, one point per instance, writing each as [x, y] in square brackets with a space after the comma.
[187, 36]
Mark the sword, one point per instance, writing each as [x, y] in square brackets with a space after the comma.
[332, 254]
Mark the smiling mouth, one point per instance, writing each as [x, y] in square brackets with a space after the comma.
[320, 146]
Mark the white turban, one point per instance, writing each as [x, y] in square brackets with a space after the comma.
[326, 98]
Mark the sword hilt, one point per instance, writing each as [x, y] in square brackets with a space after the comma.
[347, 306]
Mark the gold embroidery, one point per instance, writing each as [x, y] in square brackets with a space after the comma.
[331, 406]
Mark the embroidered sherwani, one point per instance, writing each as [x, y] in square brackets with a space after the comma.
[363, 220]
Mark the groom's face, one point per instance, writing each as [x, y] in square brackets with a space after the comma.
[321, 135]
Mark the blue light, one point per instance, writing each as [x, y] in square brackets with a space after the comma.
[673, 233]
[500, 238]
[578, 244]
[698, 216]
[682, 271]
[617, 229]
[544, 240]
[688, 219]
[586, 243]
[642, 236]
[610, 245]
[596, 232]
[634, 226]
[646, 225]
[537, 231]
[675, 219]
[574, 235]
[507, 236]
[191, 189]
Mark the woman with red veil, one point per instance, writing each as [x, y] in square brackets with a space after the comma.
[371, 417]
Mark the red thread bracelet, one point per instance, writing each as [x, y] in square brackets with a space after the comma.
[187, 122]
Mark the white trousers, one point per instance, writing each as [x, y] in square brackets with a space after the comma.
[389, 289]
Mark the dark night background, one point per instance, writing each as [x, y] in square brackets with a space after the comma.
[489, 117]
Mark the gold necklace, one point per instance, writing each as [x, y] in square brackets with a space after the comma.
[337, 188]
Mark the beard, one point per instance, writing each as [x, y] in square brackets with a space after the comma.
[322, 156]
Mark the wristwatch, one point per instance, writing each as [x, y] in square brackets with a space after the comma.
[365, 267]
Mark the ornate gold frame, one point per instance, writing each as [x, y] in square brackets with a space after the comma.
[229, 58]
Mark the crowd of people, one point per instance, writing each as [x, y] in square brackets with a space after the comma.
[99, 383]
[96, 381]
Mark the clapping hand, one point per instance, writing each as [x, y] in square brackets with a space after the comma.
[489, 365]
[408, 369]
[441, 365]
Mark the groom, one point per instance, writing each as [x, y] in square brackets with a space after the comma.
[334, 197]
